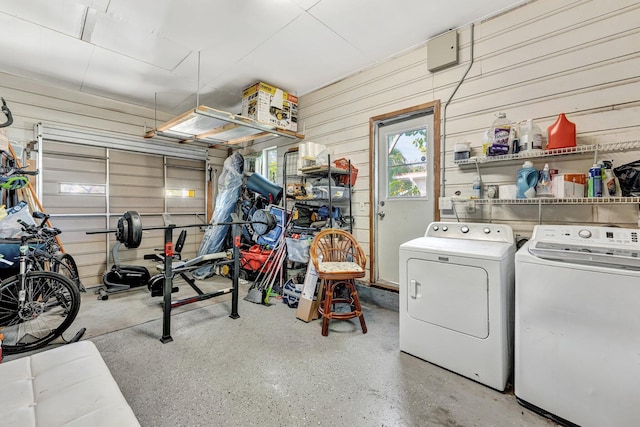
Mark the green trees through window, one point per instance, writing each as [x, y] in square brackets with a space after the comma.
[407, 164]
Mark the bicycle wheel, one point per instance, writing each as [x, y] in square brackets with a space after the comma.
[51, 304]
[66, 265]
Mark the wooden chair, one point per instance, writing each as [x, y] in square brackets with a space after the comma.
[339, 260]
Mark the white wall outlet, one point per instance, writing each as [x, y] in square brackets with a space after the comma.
[445, 203]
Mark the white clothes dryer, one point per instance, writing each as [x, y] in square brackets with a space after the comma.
[456, 299]
[577, 325]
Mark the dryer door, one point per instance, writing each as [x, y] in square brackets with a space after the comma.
[449, 295]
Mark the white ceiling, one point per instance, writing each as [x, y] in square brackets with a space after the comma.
[146, 51]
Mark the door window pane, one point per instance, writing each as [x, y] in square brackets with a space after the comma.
[407, 164]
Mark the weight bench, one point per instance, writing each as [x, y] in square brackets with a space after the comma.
[182, 267]
[69, 385]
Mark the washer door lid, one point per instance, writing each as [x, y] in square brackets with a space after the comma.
[452, 296]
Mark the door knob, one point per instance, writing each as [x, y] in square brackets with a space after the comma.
[381, 215]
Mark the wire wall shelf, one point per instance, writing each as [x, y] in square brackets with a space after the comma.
[555, 201]
[580, 149]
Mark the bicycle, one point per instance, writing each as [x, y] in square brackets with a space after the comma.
[46, 254]
[36, 307]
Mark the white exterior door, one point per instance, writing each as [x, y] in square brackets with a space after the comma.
[404, 203]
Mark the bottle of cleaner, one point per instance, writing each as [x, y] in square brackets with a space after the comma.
[562, 133]
[610, 183]
[543, 189]
[501, 131]
[531, 137]
[487, 140]
[514, 140]
[477, 188]
[527, 181]
[595, 181]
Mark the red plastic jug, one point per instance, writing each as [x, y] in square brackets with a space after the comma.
[561, 134]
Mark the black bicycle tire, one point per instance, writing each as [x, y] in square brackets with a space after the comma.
[40, 285]
[69, 264]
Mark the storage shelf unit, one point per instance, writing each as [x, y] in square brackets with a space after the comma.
[541, 202]
[556, 201]
[580, 149]
[316, 172]
[217, 128]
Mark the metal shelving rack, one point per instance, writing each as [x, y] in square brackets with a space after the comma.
[547, 201]
[580, 149]
[318, 171]
[558, 201]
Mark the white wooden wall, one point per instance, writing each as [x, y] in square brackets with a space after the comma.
[580, 57]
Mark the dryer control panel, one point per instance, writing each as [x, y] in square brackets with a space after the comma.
[611, 246]
[471, 231]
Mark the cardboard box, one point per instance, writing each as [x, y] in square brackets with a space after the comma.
[569, 185]
[269, 104]
[309, 301]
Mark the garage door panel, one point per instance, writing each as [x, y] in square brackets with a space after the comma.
[77, 149]
[152, 182]
[136, 182]
[77, 204]
[135, 159]
[135, 191]
[138, 204]
[74, 164]
[135, 171]
[173, 161]
[185, 205]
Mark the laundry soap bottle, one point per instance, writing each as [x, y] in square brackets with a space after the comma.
[561, 134]
[543, 189]
[531, 137]
[527, 181]
[501, 130]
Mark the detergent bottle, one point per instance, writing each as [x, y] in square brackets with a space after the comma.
[501, 130]
[527, 181]
[531, 137]
[562, 133]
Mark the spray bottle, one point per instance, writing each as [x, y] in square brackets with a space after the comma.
[610, 183]
[543, 188]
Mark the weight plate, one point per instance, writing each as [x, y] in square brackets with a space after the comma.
[263, 222]
[132, 230]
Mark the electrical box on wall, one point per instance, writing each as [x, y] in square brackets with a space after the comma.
[442, 51]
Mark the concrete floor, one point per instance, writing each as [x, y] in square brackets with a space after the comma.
[269, 369]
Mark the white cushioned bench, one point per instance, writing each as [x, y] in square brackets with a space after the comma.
[66, 386]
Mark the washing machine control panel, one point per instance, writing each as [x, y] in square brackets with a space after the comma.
[471, 231]
[611, 246]
[586, 235]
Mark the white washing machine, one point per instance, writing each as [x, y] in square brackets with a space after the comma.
[456, 299]
[577, 325]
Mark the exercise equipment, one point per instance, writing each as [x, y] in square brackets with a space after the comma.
[129, 233]
[124, 277]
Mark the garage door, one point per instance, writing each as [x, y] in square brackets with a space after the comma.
[88, 188]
